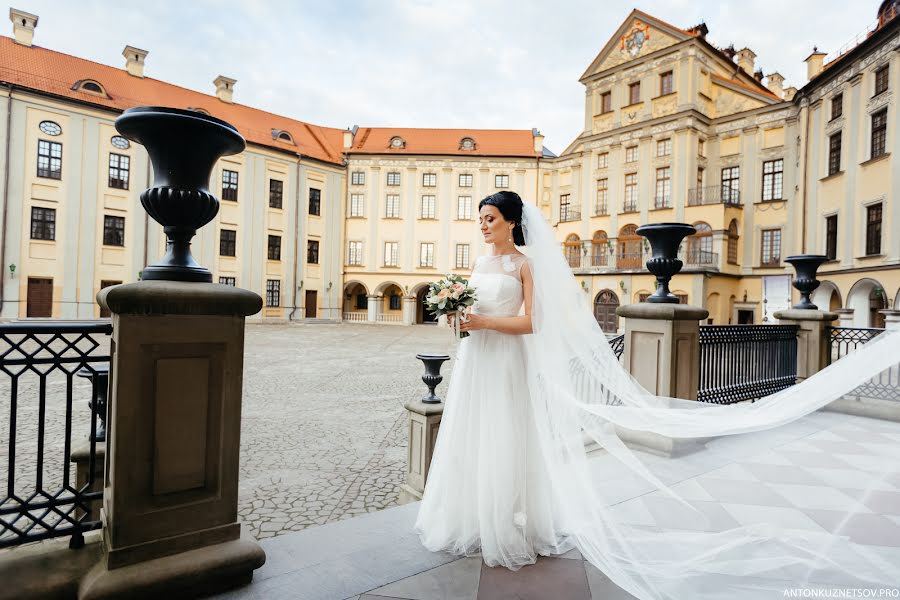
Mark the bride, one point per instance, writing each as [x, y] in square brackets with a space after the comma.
[511, 478]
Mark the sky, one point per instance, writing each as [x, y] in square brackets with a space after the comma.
[420, 63]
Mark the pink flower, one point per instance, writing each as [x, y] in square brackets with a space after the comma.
[443, 294]
[458, 288]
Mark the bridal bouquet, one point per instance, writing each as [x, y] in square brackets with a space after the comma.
[450, 295]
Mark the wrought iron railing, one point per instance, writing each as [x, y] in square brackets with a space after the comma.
[884, 385]
[570, 213]
[696, 257]
[714, 194]
[617, 344]
[845, 340]
[745, 362]
[40, 423]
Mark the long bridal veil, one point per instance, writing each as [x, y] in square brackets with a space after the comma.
[578, 389]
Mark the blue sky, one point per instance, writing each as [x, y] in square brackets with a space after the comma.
[463, 63]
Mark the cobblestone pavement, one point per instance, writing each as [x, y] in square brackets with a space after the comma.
[324, 429]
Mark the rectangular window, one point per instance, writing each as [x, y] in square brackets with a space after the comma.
[358, 178]
[731, 184]
[464, 208]
[276, 193]
[392, 206]
[49, 163]
[227, 242]
[119, 170]
[390, 254]
[881, 80]
[663, 187]
[831, 232]
[834, 153]
[634, 92]
[873, 229]
[273, 292]
[229, 185]
[312, 252]
[113, 231]
[429, 179]
[879, 133]
[567, 211]
[393, 178]
[466, 179]
[837, 106]
[355, 254]
[427, 206]
[362, 301]
[631, 154]
[773, 180]
[701, 147]
[630, 193]
[664, 147]
[274, 247]
[603, 160]
[357, 203]
[394, 302]
[462, 256]
[665, 83]
[602, 207]
[315, 202]
[426, 254]
[501, 181]
[232, 281]
[43, 223]
[700, 176]
[605, 102]
[771, 247]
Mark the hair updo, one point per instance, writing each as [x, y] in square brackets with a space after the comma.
[510, 206]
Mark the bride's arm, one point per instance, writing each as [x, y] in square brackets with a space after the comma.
[519, 325]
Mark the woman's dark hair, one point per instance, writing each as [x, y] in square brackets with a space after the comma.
[510, 206]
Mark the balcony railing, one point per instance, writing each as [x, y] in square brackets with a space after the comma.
[358, 317]
[587, 257]
[570, 213]
[714, 194]
[662, 202]
[601, 210]
[695, 257]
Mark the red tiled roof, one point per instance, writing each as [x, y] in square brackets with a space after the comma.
[488, 142]
[760, 89]
[55, 73]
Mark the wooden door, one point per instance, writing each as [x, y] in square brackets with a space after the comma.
[311, 304]
[40, 297]
[605, 305]
[104, 312]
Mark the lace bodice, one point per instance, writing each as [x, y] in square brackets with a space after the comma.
[498, 281]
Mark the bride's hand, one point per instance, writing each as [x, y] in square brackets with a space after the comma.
[475, 322]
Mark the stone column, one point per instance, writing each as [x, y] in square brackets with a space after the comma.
[891, 319]
[409, 310]
[845, 316]
[813, 339]
[170, 501]
[662, 347]
[372, 307]
[424, 422]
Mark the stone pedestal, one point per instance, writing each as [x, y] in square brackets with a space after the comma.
[424, 422]
[173, 442]
[813, 340]
[845, 317]
[891, 319]
[372, 314]
[662, 347]
[409, 310]
[81, 456]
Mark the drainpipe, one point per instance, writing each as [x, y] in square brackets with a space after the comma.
[3, 233]
[296, 239]
[805, 182]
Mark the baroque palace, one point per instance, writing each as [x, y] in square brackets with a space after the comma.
[353, 224]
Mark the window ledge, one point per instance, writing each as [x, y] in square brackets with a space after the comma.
[358, 217]
[870, 256]
[390, 266]
[832, 176]
[42, 242]
[392, 218]
[655, 208]
[112, 246]
[630, 212]
[772, 266]
[770, 201]
[875, 160]
[426, 219]
[672, 93]
[635, 105]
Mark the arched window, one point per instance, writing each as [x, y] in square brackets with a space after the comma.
[90, 86]
[397, 143]
[699, 245]
[733, 242]
[573, 251]
[629, 248]
[282, 136]
[202, 111]
[600, 249]
[467, 143]
[605, 305]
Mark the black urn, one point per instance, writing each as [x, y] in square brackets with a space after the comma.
[184, 146]
[806, 266]
[432, 376]
[664, 238]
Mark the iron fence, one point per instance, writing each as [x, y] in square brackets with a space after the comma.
[845, 340]
[884, 385]
[617, 344]
[39, 423]
[745, 362]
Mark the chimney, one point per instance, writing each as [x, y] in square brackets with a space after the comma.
[134, 60]
[538, 141]
[789, 93]
[815, 63]
[224, 88]
[775, 83]
[23, 25]
[349, 134]
[745, 58]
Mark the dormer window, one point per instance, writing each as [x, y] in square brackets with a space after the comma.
[282, 136]
[202, 111]
[90, 86]
[397, 143]
[467, 143]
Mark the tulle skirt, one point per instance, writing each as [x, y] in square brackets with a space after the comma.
[488, 488]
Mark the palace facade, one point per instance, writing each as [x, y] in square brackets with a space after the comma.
[353, 224]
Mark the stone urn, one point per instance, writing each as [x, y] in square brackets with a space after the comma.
[432, 376]
[806, 266]
[664, 238]
[184, 146]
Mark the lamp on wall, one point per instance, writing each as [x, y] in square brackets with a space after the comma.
[12, 270]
